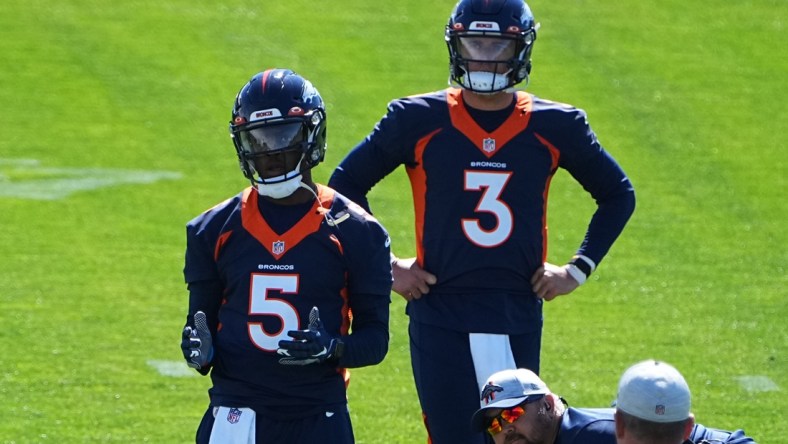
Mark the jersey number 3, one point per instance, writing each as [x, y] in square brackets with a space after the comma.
[492, 185]
[261, 304]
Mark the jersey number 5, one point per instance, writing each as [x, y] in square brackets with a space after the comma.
[492, 185]
[261, 304]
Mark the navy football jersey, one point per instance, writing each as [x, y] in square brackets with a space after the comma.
[597, 426]
[480, 199]
[270, 281]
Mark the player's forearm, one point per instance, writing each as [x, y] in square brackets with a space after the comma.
[205, 296]
[368, 342]
[607, 224]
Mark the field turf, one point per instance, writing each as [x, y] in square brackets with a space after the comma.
[114, 134]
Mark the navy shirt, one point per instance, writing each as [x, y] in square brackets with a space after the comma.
[480, 200]
[257, 281]
[597, 426]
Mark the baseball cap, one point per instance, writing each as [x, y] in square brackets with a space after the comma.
[654, 391]
[505, 389]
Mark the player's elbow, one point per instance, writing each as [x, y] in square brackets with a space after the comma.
[377, 349]
[382, 351]
[629, 199]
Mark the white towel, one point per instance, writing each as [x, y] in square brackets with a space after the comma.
[233, 426]
[491, 353]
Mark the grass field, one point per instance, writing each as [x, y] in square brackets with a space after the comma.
[113, 120]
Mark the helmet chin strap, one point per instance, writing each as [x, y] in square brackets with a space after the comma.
[282, 186]
[295, 183]
[280, 190]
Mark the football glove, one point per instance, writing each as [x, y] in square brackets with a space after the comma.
[197, 344]
[310, 346]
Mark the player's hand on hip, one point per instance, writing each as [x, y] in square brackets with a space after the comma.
[410, 280]
[310, 346]
[197, 344]
[551, 281]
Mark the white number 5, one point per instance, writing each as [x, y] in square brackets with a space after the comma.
[492, 185]
[261, 304]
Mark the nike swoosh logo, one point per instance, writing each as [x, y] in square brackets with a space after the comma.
[329, 414]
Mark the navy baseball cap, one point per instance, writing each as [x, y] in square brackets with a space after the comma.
[506, 389]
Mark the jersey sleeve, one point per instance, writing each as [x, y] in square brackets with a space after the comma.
[703, 435]
[204, 237]
[368, 254]
[389, 145]
[368, 341]
[599, 174]
[587, 426]
[204, 234]
[366, 245]
[200, 264]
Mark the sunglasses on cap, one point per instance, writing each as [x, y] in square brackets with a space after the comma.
[508, 416]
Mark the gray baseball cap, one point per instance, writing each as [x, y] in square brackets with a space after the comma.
[505, 389]
[654, 391]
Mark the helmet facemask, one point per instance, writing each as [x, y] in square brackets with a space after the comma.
[278, 128]
[274, 152]
[490, 70]
[489, 62]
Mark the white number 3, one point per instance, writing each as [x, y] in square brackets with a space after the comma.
[261, 304]
[492, 185]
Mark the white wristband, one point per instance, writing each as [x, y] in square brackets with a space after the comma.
[587, 260]
[576, 273]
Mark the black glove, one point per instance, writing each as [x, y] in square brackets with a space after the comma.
[196, 343]
[310, 346]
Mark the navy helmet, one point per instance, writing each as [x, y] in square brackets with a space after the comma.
[512, 26]
[278, 111]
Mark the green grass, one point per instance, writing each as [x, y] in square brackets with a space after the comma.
[689, 97]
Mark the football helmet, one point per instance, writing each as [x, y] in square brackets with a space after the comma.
[494, 33]
[277, 112]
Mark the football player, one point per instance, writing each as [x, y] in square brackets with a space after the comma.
[480, 157]
[289, 282]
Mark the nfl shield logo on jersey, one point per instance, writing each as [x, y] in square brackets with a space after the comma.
[278, 247]
[233, 416]
[488, 145]
[660, 409]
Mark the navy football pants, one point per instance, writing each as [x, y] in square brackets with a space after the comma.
[446, 382]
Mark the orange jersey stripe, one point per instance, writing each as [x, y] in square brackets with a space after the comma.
[555, 155]
[418, 183]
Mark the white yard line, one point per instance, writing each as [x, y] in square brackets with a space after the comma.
[177, 369]
[58, 183]
[755, 384]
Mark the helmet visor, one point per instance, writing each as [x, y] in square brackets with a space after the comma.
[486, 48]
[271, 138]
